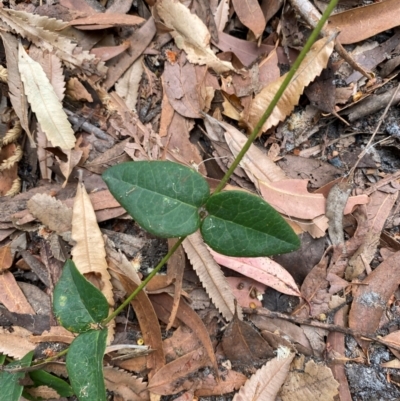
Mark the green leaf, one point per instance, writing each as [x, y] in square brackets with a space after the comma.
[241, 224]
[43, 378]
[11, 390]
[85, 365]
[78, 304]
[162, 196]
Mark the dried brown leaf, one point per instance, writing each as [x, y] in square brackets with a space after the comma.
[361, 23]
[264, 385]
[371, 297]
[73, 158]
[210, 274]
[128, 85]
[190, 34]
[51, 212]
[230, 381]
[17, 343]
[11, 295]
[15, 85]
[105, 20]
[172, 378]
[6, 258]
[149, 325]
[316, 59]
[250, 15]
[189, 317]
[315, 382]
[124, 384]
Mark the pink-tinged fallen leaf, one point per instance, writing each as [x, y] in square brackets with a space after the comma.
[264, 270]
[291, 197]
[6, 258]
[267, 381]
[247, 291]
[394, 339]
[108, 52]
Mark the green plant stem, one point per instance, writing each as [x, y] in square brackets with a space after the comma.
[144, 282]
[313, 37]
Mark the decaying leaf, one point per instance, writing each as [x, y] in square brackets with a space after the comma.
[371, 297]
[312, 65]
[314, 382]
[265, 384]
[264, 270]
[210, 275]
[44, 102]
[51, 212]
[190, 34]
[17, 343]
[250, 15]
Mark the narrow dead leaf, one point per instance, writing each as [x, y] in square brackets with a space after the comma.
[149, 325]
[211, 276]
[89, 252]
[362, 23]
[105, 20]
[11, 295]
[250, 15]
[128, 85]
[44, 102]
[6, 258]
[371, 297]
[190, 34]
[265, 384]
[73, 158]
[264, 270]
[316, 59]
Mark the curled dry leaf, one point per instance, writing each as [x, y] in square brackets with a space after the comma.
[210, 275]
[266, 382]
[190, 34]
[16, 344]
[44, 102]
[315, 60]
[264, 270]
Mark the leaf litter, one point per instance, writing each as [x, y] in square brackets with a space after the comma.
[169, 79]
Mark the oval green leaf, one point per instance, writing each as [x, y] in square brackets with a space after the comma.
[85, 365]
[162, 196]
[43, 378]
[78, 304]
[11, 390]
[241, 224]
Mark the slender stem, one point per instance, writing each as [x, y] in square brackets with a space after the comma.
[144, 282]
[313, 37]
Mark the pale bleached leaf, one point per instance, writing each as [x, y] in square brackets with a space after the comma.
[88, 253]
[314, 62]
[52, 67]
[190, 34]
[44, 102]
[15, 85]
[128, 85]
[16, 343]
[264, 270]
[210, 275]
[222, 15]
[265, 384]
[50, 34]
